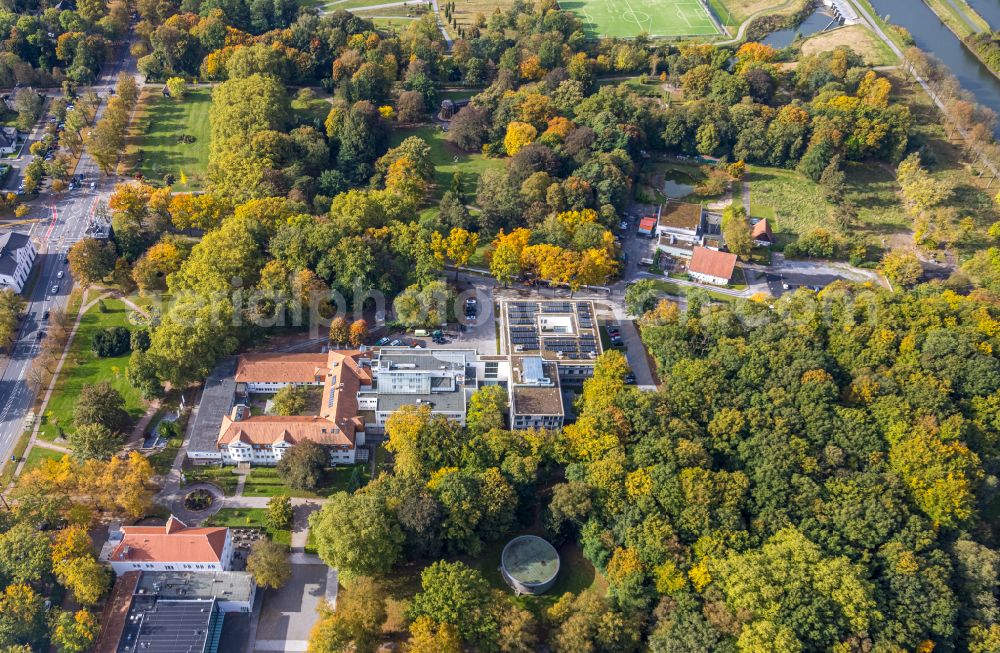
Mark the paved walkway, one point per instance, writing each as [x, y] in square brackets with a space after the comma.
[300, 527]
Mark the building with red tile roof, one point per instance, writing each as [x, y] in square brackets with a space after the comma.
[712, 266]
[270, 372]
[263, 439]
[172, 547]
[761, 234]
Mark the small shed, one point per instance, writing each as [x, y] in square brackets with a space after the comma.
[647, 226]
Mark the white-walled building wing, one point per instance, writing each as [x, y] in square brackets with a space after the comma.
[17, 255]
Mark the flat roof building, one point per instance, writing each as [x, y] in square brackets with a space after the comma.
[535, 394]
[172, 612]
[562, 332]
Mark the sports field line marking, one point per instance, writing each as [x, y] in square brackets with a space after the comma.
[636, 18]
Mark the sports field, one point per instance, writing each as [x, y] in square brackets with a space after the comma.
[626, 18]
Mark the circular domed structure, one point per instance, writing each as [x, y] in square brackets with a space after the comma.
[529, 564]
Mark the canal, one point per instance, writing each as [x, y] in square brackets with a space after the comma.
[931, 35]
[988, 9]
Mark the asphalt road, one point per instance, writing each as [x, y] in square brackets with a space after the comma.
[65, 220]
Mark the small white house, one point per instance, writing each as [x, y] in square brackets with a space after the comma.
[17, 255]
[10, 138]
[712, 266]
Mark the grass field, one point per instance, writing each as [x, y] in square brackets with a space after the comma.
[448, 159]
[266, 482]
[858, 37]
[626, 18]
[84, 367]
[38, 455]
[248, 518]
[734, 12]
[160, 123]
[223, 477]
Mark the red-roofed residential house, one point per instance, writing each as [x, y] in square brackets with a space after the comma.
[173, 547]
[761, 234]
[712, 266]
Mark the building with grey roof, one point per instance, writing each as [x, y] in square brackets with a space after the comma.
[441, 379]
[17, 255]
[217, 401]
[535, 394]
[172, 612]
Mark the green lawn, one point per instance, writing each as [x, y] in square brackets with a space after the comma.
[576, 574]
[792, 202]
[671, 288]
[267, 482]
[795, 204]
[248, 518]
[83, 367]
[163, 121]
[163, 459]
[448, 159]
[629, 18]
[37, 455]
[223, 477]
[313, 112]
[7, 475]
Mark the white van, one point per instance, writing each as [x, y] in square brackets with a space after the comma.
[420, 333]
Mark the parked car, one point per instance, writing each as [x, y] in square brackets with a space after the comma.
[382, 342]
[395, 343]
[55, 289]
[616, 341]
[59, 274]
[630, 379]
[614, 330]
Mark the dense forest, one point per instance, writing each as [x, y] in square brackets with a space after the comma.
[814, 476]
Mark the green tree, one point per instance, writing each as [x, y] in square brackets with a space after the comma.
[425, 305]
[819, 601]
[24, 555]
[94, 441]
[22, 616]
[279, 513]
[486, 409]
[268, 563]
[422, 442]
[357, 534]
[73, 632]
[453, 593]
[641, 297]
[177, 88]
[901, 268]
[736, 231]
[141, 374]
[91, 260]
[100, 403]
[303, 464]
[290, 400]
[11, 307]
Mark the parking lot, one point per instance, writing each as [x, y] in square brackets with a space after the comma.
[287, 615]
[479, 332]
[791, 281]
